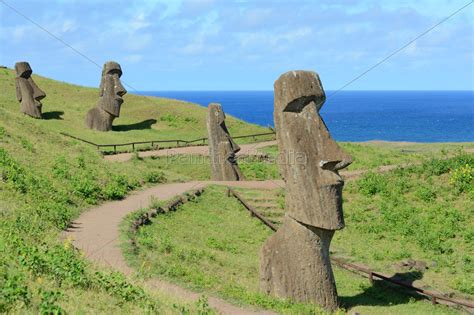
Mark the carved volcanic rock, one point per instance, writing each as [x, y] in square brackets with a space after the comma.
[27, 92]
[222, 149]
[295, 260]
[108, 107]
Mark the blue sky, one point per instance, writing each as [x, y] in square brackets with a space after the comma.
[244, 45]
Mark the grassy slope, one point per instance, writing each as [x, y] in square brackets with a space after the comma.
[174, 119]
[48, 179]
[213, 245]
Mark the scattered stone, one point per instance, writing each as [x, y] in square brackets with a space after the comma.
[222, 149]
[412, 264]
[102, 116]
[27, 92]
[295, 260]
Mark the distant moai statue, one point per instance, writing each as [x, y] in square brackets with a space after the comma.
[27, 92]
[110, 101]
[294, 261]
[222, 149]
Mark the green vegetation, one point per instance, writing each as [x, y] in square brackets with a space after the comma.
[212, 244]
[141, 119]
[427, 210]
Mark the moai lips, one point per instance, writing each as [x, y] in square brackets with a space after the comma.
[295, 260]
[27, 92]
[111, 92]
[222, 148]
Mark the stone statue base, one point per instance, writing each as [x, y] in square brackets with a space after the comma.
[294, 264]
[99, 119]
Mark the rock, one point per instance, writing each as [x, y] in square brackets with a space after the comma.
[108, 107]
[295, 261]
[222, 149]
[27, 92]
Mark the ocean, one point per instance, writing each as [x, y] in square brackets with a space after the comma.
[417, 116]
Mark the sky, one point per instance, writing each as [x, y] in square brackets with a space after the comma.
[243, 45]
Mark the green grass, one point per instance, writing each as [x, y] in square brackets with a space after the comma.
[142, 118]
[372, 154]
[212, 245]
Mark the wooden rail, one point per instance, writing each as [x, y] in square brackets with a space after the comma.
[434, 297]
[179, 142]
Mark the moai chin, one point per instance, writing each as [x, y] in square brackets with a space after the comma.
[295, 260]
[222, 149]
[27, 92]
[110, 101]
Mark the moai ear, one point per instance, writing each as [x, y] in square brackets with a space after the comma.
[18, 90]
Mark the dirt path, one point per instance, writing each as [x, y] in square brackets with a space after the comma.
[245, 150]
[96, 233]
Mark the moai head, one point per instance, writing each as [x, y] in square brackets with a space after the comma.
[222, 148]
[111, 89]
[310, 158]
[27, 92]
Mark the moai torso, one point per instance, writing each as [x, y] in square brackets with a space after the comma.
[111, 91]
[310, 158]
[27, 92]
[222, 149]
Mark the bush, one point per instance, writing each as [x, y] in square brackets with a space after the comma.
[155, 177]
[462, 178]
[117, 188]
[372, 183]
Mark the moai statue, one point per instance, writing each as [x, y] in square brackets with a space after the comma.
[294, 261]
[222, 149]
[27, 92]
[110, 101]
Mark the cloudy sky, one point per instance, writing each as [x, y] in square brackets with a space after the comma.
[244, 45]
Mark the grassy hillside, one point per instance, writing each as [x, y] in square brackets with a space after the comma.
[221, 257]
[141, 119]
[47, 180]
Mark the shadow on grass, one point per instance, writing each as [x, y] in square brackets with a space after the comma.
[146, 124]
[52, 115]
[383, 293]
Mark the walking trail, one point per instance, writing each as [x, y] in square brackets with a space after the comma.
[96, 232]
[245, 150]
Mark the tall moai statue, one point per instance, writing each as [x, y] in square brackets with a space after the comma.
[27, 92]
[222, 149]
[110, 101]
[294, 261]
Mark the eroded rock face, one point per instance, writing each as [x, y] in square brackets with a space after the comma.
[102, 116]
[222, 149]
[295, 260]
[27, 92]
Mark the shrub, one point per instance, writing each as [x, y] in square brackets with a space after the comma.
[155, 177]
[462, 178]
[372, 183]
[117, 188]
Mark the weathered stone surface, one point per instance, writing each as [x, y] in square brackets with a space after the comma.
[310, 158]
[295, 260]
[295, 264]
[27, 92]
[222, 149]
[111, 89]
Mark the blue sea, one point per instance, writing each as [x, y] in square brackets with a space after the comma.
[418, 116]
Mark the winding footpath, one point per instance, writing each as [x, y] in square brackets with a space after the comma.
[96, 234]
[250, 149]
[97, 231]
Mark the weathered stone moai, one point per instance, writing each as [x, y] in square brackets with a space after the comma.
[222, 149]
[294, 261]
[27, 92]
[110, 101]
